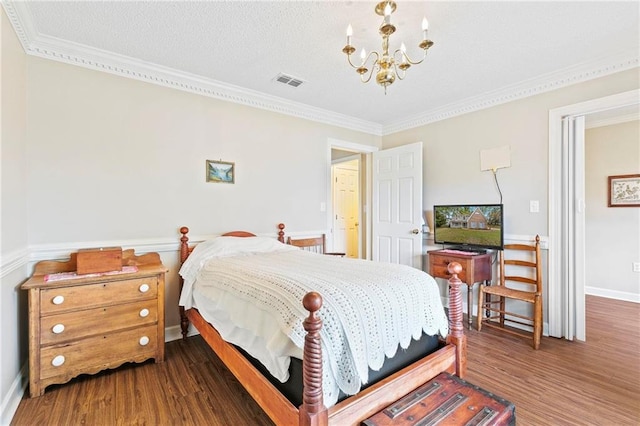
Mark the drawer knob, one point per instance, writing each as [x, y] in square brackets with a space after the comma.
[58, 361]
[144, 341]
[58, 328]
[144, 312]
[144, 288]
[58, 300]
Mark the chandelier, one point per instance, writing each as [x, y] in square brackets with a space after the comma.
[388, 66]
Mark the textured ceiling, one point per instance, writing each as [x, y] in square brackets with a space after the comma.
[484, 51]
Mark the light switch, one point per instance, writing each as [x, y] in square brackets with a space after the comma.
[534, 206]
[323, 207]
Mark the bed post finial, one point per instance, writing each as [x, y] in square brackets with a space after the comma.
[312, 411]
[456, 327]
[184, 253]
[184, 244]
[281, 232]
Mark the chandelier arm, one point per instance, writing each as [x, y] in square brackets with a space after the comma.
[363, 63]
[373, 67]
[409, 60]
[351, 63]
[400, 73]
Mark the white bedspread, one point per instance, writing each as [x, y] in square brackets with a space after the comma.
[254, 299]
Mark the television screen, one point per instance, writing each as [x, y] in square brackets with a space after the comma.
[469, 225]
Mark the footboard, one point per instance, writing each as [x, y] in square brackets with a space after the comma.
[351, 411]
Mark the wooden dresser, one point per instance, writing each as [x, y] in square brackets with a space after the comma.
[87, 323]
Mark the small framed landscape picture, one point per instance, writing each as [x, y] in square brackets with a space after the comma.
[624, 191]
[220, 171]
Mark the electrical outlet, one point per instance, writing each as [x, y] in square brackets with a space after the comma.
[534, 206]
[636, 266]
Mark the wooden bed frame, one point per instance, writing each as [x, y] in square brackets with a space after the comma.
[352, 410]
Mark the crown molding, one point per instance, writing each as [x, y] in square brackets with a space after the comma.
[39, 45]
[544, 83]
[71, 53]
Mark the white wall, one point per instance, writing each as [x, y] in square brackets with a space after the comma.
[612, 233]
[13, 217]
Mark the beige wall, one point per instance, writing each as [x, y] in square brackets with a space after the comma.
[452, 151]
[451, 156]
[13, 217]
[612, 233]
[114, 158]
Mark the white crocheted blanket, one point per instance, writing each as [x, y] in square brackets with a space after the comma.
[369, 309]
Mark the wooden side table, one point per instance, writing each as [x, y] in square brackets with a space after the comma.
[475, 268]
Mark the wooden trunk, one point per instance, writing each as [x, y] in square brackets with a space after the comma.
[447, 400]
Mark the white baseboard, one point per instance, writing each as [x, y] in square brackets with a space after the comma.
[175, 333]
[613, 294]
[14, 396]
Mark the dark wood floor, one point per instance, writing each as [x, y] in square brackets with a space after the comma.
[563, 383]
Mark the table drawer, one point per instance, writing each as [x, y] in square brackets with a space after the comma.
[73, 325]
[439, 269]
[98, 352]
[63, 299]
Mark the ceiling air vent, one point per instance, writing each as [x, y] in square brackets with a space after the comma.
[288, 80]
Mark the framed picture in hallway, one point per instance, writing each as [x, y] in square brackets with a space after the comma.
[624, 191]
[220, 171]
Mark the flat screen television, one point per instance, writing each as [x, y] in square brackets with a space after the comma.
[469, 227]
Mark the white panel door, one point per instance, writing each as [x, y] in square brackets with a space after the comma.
[397, 205]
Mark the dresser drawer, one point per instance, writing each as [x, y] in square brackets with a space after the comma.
[63, 299]
[98, 352]
[73, 325]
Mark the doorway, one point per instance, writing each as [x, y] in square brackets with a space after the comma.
[343, 151]
[345, 181]
[566, 213]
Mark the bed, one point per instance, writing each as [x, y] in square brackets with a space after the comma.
[449, 355]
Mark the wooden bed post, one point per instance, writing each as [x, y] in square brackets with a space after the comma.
[184, 253]
[281, 232]
[312, 411]
[456, 327]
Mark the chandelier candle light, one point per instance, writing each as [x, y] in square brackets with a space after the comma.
[388, 66]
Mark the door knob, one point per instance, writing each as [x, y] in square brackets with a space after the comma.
[415, 231]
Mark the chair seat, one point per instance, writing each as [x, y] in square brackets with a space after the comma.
[500, 290]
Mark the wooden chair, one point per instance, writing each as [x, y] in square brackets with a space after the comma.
[315, 244]
[523, 282]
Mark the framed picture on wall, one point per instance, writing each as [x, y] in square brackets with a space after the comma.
[220, 171]
[624, 191]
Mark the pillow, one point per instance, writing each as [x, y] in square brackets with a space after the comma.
[223, 247]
